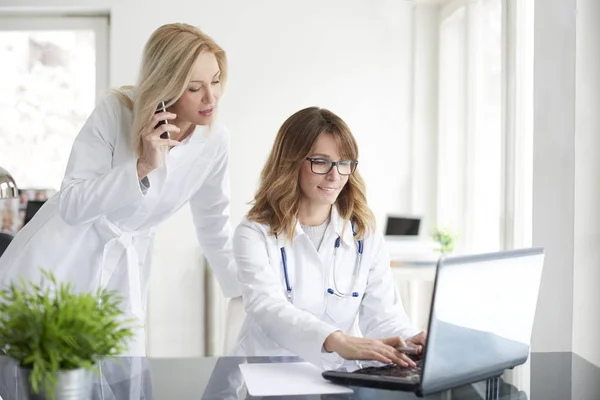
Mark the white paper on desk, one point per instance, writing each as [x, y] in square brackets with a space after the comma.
[287, 379]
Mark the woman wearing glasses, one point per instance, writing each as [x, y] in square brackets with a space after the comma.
[309, 258]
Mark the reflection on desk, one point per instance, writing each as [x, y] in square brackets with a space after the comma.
[120, 378]
[220, 379]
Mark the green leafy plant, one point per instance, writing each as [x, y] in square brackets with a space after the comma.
[48, 327]
[445, 238]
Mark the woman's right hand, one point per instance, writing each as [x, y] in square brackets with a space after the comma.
[153, 146]
[356, 348]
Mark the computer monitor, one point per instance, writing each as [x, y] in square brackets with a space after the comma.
[33, 206]
[402, 226]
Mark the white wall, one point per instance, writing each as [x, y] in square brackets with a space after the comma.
[553, 169]
[586, 273]
[566, 181]
[350, 56]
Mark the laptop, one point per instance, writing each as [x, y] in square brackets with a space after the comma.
[480, 324]
[402, 226]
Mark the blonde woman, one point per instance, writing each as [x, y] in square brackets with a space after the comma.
[123, 179]
[309, 259]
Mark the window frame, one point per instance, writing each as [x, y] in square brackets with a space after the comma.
[100, 24]
[516, 122]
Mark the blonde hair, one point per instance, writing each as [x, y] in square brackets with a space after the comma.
[167, 66]
[277, 200]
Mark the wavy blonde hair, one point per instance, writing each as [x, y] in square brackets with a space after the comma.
[277, 200]
[168, 62]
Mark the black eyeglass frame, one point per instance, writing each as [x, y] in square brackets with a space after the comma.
[353, 165]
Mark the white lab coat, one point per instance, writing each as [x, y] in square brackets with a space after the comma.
[97, 231]
[274, 327]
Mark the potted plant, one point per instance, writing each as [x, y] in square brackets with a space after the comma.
[445, 238]
[57, 335]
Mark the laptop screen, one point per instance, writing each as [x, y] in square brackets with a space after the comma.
[402, 226]
[482, 316]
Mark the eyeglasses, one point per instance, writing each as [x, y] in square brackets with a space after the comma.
[322, 166]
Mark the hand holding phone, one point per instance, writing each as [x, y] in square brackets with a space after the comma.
[162, 108]
[154, 150]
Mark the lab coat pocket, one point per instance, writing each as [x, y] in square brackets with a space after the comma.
[342, 310]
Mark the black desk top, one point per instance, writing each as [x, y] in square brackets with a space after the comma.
[550, 376]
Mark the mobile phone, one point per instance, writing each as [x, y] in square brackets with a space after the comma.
[162, 108]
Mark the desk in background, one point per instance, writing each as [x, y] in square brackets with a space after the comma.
[414, 280]
[413, 262]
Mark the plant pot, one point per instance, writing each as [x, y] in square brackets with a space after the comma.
[73, 384]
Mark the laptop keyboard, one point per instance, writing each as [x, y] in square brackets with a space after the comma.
[412, 374]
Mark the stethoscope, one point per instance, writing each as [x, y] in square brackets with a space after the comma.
[333, 291]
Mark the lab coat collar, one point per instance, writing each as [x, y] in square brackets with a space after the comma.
[341, 228]
[199, 135]
[282, 239]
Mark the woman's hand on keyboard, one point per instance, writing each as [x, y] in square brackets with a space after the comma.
[417, 341]
[356, 348]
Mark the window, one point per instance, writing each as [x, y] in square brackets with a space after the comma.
[53, 69]
[519, 158]
[476, 113]
[452, 122]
